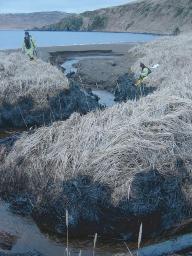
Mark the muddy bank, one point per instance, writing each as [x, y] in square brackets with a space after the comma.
[99, 66]
[104, 72]
[92, 72]
[91, 209]
[19, 234]
[24, 114]
[154, 198]
[127, 90]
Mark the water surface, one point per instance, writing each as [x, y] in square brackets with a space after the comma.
[106, 98]
[11, 39]
[30, 238]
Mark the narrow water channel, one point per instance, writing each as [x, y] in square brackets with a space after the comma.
[105, 98]
[29, 238]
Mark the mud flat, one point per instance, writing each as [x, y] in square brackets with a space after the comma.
[99, 66]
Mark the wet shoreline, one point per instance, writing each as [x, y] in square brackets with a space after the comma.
[25, 235]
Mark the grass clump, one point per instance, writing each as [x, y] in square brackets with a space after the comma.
[20, 77]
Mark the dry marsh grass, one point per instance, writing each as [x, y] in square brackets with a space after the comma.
[20, 77]
[114, 145]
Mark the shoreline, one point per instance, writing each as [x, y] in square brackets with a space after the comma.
[107, 31]
[95, 70]
[71, 50]
[45, 51]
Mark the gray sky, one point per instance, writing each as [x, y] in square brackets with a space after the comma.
[56, 5]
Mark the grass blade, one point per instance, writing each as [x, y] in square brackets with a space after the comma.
[67, 225]
[140, 238]
[94, 244]
[130, 253]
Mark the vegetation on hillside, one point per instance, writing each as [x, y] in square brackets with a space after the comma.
[76, 23]
[97, 23]
[156, 16]
[71, 23]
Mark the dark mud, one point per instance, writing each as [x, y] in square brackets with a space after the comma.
[126, 89]
[24, 114]
[91, 210]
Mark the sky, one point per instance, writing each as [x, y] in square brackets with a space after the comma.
[17, 6]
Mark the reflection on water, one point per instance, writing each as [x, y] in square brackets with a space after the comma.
[29, 238]
[106, 98]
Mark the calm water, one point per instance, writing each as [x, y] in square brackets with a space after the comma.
[13, 39]
[106, 98]
[30, 238]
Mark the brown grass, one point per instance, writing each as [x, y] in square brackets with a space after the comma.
[20, 77]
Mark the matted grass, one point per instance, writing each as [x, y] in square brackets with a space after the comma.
[20, 77]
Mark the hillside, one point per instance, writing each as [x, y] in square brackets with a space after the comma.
[29, 20]
[150, 16]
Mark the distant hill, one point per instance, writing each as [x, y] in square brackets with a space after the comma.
[150, 16]
[29, 20]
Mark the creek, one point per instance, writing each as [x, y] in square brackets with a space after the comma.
[106, 98]
[23, 235]
[30, 238]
